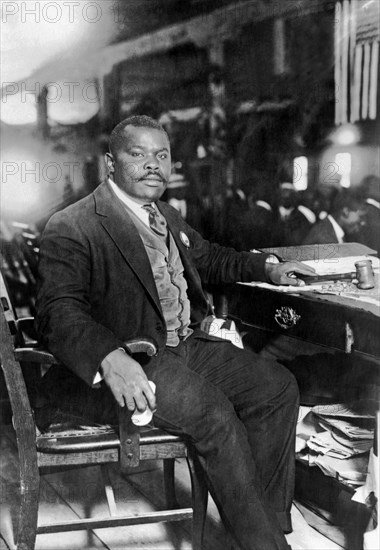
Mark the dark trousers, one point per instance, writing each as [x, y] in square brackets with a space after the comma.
[239, 411]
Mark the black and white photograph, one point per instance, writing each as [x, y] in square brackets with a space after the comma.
[190, 288]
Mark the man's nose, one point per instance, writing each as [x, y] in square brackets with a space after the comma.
[151, 163]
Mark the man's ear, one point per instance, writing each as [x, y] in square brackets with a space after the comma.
[110, 162]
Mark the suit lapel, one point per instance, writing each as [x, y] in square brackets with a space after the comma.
[172, 221]
[121, 229]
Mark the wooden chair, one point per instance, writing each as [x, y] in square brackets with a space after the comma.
[127, 445]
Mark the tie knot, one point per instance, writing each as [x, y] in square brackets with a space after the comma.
[156, 223]
[149, 208]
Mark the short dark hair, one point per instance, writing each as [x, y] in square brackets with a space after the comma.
[347, 198]
[138, 121]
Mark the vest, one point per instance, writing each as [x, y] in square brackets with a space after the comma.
[171, 285]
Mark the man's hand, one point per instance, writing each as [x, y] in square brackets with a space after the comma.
[285, 273]
[127, 381]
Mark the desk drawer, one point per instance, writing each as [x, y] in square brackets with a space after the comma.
[331, 325]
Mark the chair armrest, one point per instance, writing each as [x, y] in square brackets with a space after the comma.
[129, 434]
[38, 355]
[25, 322]
[34, 355]
[26, 333]
[142, 345]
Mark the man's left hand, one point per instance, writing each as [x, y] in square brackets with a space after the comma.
[285, 273]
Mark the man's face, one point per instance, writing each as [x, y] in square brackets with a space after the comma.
[352, 221]
[141, 166]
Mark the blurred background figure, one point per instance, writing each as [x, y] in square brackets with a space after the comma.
[324, 198]
[176, 194]
[370, 233]
[236, 210]
[184, 198]
[343, 224]
[294, 223]
[250, 219]
[261, 221]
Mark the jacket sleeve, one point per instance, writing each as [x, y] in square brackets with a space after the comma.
[63, 321]
[218, 264]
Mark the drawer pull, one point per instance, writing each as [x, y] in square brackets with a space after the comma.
[286, 317]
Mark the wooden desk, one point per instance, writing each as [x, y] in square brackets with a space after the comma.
[338, 322]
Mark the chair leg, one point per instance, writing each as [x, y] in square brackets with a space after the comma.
[110, 495]
[28, 513]
[169, 484]
[199, 493]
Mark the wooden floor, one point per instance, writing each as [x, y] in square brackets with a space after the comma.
[63, 496]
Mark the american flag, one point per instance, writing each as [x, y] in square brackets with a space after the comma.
[356, 52]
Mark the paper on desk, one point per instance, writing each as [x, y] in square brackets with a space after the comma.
[321, 252]
[332, 266]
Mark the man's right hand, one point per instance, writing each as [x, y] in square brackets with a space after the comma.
[127, 381]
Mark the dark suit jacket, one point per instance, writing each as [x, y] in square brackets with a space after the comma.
[321, 233]
[292, 230]
[96, 286]
[370, 235]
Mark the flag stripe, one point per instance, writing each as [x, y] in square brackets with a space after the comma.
[365, 89]
[373, 82]
[338, 103]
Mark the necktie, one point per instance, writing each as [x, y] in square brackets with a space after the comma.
[157, 225]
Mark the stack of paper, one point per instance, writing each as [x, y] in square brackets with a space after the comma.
[338, 438]
[351, 432]
[352, 470]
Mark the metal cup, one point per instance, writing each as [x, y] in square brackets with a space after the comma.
[364, 274]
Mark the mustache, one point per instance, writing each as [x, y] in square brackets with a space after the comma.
[156, 175]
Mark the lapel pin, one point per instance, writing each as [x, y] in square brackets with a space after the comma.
[185, 239]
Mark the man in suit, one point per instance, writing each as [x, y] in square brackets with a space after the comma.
[370, 234]
[294, 222]
[121, 264]
[343, 224]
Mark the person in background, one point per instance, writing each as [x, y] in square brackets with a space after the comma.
[370, 233]
[257, 224]
[324, 198]
[181, 196]
[260, 221]
[236, 208]
[344, 222]
[120, 264]
[250, 221]
[176, 192]
[305, 205]
[294, 223]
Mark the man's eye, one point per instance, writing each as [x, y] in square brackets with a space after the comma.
[163, 156]
[134, 154]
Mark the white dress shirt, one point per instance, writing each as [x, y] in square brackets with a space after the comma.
[338, 230]
[135, 206]
[374, 203]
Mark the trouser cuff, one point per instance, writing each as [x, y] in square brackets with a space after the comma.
[285, 521]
